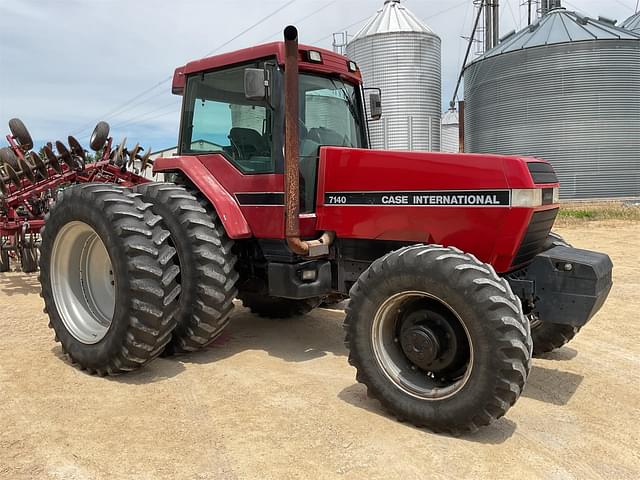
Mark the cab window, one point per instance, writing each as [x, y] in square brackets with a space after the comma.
[218, 118]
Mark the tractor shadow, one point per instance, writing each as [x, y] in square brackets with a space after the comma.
[304, 338]
[496, 433]
[561, 354]
[18, 283]
[551, 386]
[158, 370]
[296, 339]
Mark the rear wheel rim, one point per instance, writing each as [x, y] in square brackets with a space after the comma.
[422, 346]
[82, 282]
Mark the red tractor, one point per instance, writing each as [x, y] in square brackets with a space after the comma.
[448, 260]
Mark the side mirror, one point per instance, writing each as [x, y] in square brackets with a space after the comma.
[375, 105]
[255, 84]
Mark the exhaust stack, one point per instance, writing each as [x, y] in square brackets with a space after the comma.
[307, 248]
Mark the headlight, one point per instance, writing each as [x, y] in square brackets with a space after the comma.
[529, 197]
[315, 56]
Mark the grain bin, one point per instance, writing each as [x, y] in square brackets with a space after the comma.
[399, 54]
[566, 89]
[449, 141]
[632, 23]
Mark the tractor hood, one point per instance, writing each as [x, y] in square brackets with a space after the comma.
[485, 202]
[372, 170]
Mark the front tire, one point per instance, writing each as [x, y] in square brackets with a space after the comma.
[108, 278]
[438, 338]
[551, 336]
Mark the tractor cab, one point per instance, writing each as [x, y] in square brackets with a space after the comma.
[235, 107]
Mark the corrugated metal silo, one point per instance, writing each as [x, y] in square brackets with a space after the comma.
[400, 55]
[449, 141]
[632, 23]
[566, 89]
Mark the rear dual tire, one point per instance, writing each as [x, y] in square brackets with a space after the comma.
[204, 253]
[108, 278]
[438, 338]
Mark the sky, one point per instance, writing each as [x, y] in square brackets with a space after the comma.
[66, 64]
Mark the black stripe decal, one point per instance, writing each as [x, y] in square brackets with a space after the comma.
[436, 198]
[260, 198]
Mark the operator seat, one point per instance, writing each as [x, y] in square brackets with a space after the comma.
[249, 142]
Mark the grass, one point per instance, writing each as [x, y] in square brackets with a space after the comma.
[572, 213]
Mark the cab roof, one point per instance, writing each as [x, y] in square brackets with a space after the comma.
[332, 63]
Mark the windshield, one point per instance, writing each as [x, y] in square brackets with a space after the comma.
[218, 118]
[328, 114]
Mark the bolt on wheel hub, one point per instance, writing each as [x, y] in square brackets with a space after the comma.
[420, 345]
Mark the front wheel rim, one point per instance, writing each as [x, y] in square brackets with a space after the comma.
[431, 357]
[83, 282]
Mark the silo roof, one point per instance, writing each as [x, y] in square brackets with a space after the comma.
[632, 23]
[559, 26]
[392, 17]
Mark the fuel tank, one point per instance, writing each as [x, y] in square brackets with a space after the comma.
[499, 208]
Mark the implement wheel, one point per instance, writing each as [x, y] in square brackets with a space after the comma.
[21, 134]
[108, 278]
[40, 166]
[99, 136]
[4, 189]
[28, 170]
[52, 159]
[550, 336]
[207, 274]
[29, 258]
[9, 158]
[5, 262]
[438, 338]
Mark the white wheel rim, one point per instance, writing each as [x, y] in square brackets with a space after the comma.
[414, 383]
[82, 282]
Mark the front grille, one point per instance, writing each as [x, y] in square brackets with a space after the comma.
[535, 237]
[542, 172]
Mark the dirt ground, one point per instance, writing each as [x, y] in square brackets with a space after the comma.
[277, 399]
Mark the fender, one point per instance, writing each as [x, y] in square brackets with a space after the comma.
[228, 210]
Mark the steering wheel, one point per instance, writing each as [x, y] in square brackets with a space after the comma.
[237, 154]
[303, 130]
